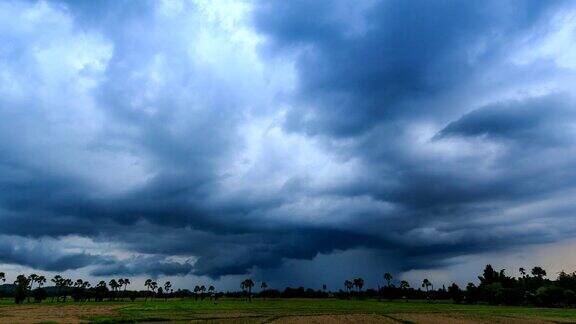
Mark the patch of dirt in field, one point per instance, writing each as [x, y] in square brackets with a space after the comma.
[462, 319]
[58, 314]
[321, 319]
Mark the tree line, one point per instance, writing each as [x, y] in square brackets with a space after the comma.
[494, 287]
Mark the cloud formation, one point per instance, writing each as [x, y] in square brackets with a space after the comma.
[225, 138]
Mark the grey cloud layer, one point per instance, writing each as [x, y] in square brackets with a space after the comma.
[410, 126]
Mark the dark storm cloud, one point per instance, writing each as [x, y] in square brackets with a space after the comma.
[411, 127]
[154, 266]
[360, 65]
[44, 255]
[545, 120]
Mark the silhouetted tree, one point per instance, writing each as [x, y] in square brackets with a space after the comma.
[359, 283]
[196, 292]
[203, 290]
[426, 283]
[147, 284]
[212, 290]
[247, 286]
[31, 279]
[538, 272]
[66, 284]
[522, 271]
[101, 290]
[388, 278]
[41, 280]
[167, 286]
[455, 293]
[153, 287]
[348, 285]
[57, 280]
[21, 284]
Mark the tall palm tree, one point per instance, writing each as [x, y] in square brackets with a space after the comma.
[57, 280]
[167, 286]
[202, 291]
[348, 285]
[263, 287]
[359, 283]
[40, 280]
[247, 285]
[388, 278]
[196, 291]
[126, 283]
[31, 279]
[147, 284]
[426, 283]
[113, 284]
[121, 283]
[153, 287]
[404, 285]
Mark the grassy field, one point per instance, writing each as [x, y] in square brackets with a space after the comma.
[280, 311]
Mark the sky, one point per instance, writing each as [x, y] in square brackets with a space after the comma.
[294, 142]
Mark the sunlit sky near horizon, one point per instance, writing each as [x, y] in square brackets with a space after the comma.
[295, 142]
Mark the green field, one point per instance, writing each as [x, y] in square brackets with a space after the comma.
[284, 310]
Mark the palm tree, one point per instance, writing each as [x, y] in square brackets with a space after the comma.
[3, 276]
[66, 283]
[126, 283]
[167, 286]
[196, 291]
[121, 282]
[31, 279]
[359, 283]
[101, 284]
[404, 284]
[247, 285]
[41, 280]
[426, 283]
[202, 290]
[79, 283]
[153, 286]
[114, 285]
[522, 271]
[348, 285]
[57, 280]
[147, 284]
[388, 278]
